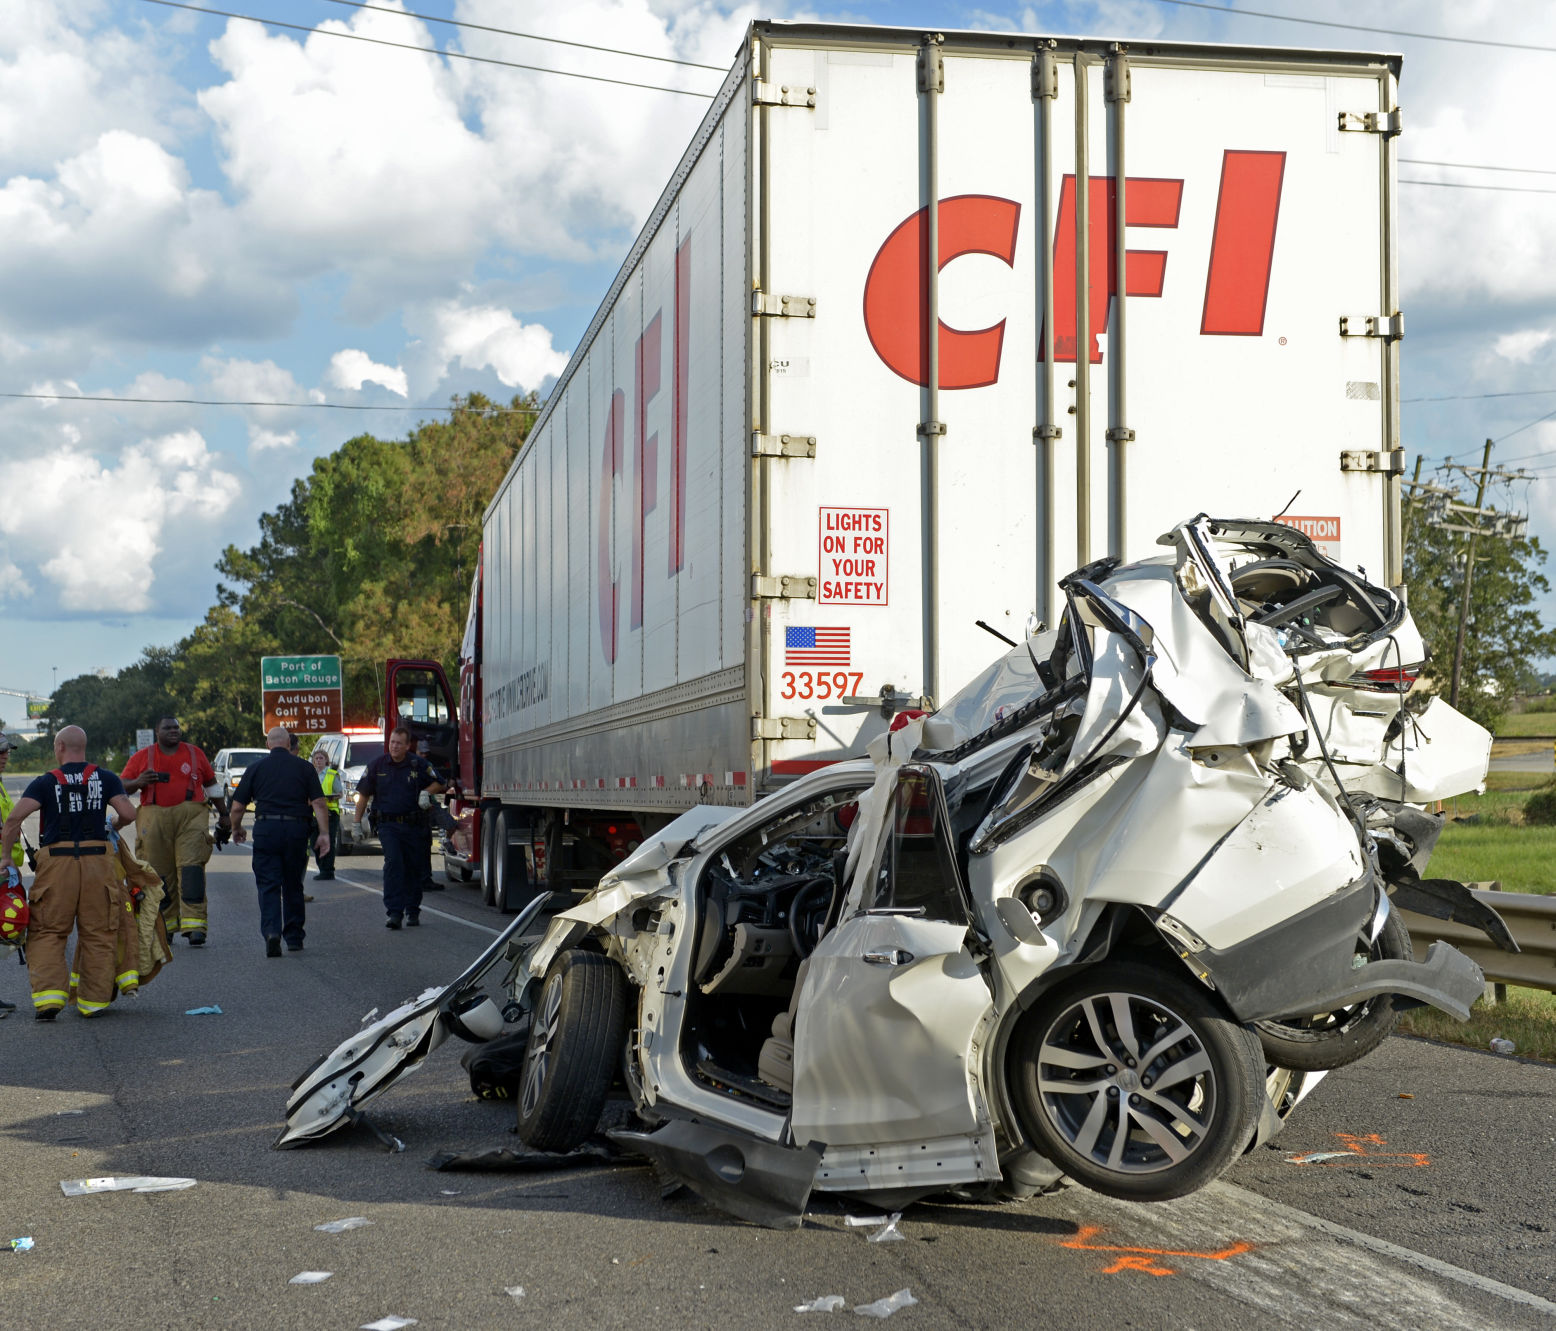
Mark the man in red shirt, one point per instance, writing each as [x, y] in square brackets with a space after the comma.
[176, 782]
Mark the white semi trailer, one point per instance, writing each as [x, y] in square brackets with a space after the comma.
[818, 428]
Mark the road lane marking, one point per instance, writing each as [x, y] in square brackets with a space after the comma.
[1386, 1249]
[424, 910]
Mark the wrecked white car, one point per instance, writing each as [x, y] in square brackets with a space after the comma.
[1098, 916]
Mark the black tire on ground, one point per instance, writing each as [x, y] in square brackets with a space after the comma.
[1179, 1105]
[1328, 1040]
[488, 859]
[575, 1049]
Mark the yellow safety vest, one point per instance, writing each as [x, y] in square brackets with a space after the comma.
[17, 855]
[327, 781]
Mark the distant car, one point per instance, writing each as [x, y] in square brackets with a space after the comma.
[230, 765]
[352, 751]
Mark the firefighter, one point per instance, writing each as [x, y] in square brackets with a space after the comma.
[176, 782]
[77, 886]
[329, 783]
[17, 858]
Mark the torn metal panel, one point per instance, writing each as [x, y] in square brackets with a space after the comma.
[756, 1180]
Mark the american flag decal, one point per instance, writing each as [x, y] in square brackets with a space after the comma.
[816, 647]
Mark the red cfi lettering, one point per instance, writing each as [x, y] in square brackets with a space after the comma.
[645, 459]
[895, 305]
[1146, 203]
[610, 468]
[1242, 251]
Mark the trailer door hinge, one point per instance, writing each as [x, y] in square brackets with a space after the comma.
[931, 67]
[781, 588]
[1115, 77]
[1390, 327]
[783, 445]
[1386, 123]
[793, 307]
[784, 94]
[1391, 462]
[783, 727]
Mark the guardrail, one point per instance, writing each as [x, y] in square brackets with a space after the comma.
[1532, 920]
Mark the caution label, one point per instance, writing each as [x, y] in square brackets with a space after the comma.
[1323, 532]
[855, 551]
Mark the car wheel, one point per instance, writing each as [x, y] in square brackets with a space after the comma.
[1134, 1083]
[1328, 1040]
[488, 859]
[575, 1050]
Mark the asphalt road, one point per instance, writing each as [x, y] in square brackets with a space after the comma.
[1438, 1217]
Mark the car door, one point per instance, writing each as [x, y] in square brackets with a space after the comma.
[894, 996]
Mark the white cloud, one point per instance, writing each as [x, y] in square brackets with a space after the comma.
[98, 532]
[352, 368]
[1521, 347]
[262, 440]
[482, 337]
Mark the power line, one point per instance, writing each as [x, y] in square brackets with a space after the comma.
[428, 50]
[1425, 161]
[1359, 27]
[531, 36]
[227, 402]
[1453, 184]
[1476, 397]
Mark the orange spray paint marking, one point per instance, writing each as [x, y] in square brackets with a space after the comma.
[1143, 1259]
[1357, 1147]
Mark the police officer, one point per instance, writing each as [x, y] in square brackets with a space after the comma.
[77, 886]
[396, 780]
[329, 783]
[282, 788]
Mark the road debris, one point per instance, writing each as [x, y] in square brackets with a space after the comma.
[79, 1187]
[61, 1113]
[1317, 1157]
[310, 1278]
[514, 1292]
[887, 1306]
[341, 1226]
[20, 1245]
[827, 1303]
[389, 1323]
[210, 1011]
[1407, 1095]
[1501, 1046]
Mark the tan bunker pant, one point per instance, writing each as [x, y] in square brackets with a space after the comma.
[77, 888]
[172, 838]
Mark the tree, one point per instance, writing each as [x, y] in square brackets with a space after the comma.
[1505, 634]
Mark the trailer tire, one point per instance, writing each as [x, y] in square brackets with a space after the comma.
[575, 1049]
[512, 889]
[488, 858]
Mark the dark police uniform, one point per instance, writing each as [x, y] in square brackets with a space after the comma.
[404, 829]
[281, 789]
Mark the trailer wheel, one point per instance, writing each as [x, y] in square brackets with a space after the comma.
[511, 888]
[575, 1049]
[488, 859]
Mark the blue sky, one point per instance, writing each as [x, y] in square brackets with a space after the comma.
[197, 207]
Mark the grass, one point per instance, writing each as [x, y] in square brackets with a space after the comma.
[1527, 1018]
[1518, 725]
[1486, 838]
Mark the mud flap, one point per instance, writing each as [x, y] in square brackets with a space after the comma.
[752, 1179]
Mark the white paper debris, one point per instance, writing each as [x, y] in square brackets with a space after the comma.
[887, 1306]
[1317, 1157]
[514, 1292]
[79, 1187]
[390, 1323]
[310, 1278]
[451, 1192]
[887, 1233]
[827, 1303]
[60, 1113]
[341, 1226]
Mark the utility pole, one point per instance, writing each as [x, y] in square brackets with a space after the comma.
[1413, 487]
[1469, 580]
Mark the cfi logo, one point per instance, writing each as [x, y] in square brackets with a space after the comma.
[1237, 279]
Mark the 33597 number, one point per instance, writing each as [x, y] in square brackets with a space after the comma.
[821, 684]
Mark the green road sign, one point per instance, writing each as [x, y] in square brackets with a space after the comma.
[299, 672]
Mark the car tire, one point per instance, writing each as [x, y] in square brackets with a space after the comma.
[1329, 1040]
[1160, 1127]
[575, 1049]
[488, 858]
